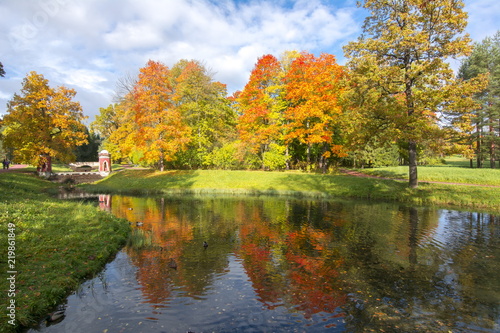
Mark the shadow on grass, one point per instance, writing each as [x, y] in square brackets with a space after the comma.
[142, 182]
[389, 174]
[458, 164]
[346, 186]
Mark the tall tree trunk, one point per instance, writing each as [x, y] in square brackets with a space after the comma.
[412, 161]
[263, 149]
[492, 147]
[323, 160]
[308, 149]
[287, 158]
[308, 156]
[412, 144]
[479, 156]
[162, 166]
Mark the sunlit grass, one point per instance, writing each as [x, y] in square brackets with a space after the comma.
[57, 244]
[55, 168]
[455, 170]
[295, 184]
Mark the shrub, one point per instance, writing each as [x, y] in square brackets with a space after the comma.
[222, 158]
[275, 158]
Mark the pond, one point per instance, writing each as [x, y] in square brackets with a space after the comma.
[289, 265]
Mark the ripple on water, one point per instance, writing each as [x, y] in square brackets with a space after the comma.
[277, 270]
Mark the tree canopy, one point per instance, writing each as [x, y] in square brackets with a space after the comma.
[480, 128]
[400, 61]
[43, 121]
[172, 115]
[396, 101]
[292, 103]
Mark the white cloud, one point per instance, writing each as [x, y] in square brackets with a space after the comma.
[484, 18]
[89, 45]
[86, 79]
[134, 35]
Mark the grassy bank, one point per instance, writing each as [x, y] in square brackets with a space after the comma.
[442, 173]
[297, 184]
[57, 245]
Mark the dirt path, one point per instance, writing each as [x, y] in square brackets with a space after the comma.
[14, 167]
[360, 174]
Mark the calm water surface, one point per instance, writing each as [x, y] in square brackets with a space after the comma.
[280, 265]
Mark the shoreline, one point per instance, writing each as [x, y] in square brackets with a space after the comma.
[50, 247]
[319, 186]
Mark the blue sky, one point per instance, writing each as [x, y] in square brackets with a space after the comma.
[89, 45]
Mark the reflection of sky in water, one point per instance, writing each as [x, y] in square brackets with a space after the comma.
[454, 229]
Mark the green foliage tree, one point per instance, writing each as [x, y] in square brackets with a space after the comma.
[484, 121]
[43, 121]
[275, 158]
[204, 107]
[89, 152]
[106, 122]
[404, 45]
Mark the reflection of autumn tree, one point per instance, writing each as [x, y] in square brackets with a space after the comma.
[315, 283]
[256, 250]
[174, 228]
[292, 266]
[379, 265]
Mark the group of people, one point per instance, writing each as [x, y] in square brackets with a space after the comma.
[5, 163]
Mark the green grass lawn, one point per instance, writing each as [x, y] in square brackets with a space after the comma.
[296, 184]
[57, 245]
[456, 170]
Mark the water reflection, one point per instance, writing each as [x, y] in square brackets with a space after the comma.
[288, 265]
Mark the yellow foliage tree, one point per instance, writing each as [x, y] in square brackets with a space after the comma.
[43, 121]
[400, 61]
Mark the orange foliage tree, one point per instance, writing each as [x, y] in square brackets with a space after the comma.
[313, 88]
[260, 105]
[160, 132]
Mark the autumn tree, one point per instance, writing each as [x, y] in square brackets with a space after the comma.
[43, 121]
[159, 129]
[404, 47]
[107, 125]
[204, 107]
[260, 106]
[313, 86]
